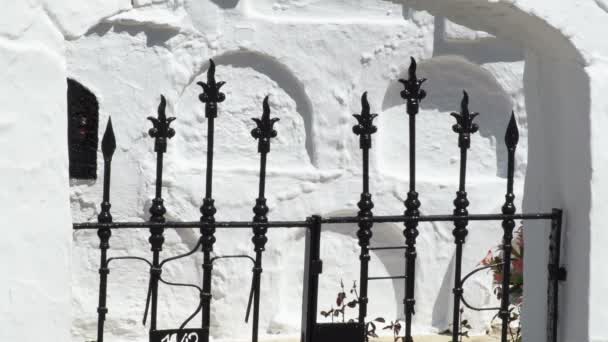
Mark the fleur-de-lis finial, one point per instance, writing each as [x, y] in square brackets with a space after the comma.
[512, 134]
[211, 92]
[265, 128]
[365, 126]
[161, 130]
[464, 122]
[108, 142]
[412, 91]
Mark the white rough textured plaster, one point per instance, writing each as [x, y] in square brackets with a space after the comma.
[315, 58]
[75, 17]
[36, 261]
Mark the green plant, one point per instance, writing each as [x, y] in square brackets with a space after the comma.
[464, 327]
[343, 303]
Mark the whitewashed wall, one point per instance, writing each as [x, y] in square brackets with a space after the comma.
[315, 67]
[314, 58]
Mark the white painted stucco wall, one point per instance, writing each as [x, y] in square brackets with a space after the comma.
[128, 54]
[35, 287]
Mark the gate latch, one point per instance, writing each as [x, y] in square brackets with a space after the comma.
[316, 266]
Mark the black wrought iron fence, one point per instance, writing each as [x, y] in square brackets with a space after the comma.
[312, 331]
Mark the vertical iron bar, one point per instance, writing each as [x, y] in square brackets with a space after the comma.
[556, 274]
[312, 269]
[364, 129]
[108, 146]
[211, 96]
[511, 139]
[161, 132]
[464, 127]
[413, 94]
[264, 132]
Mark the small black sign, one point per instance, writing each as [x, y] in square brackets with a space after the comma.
[343, 332]
[176, 335]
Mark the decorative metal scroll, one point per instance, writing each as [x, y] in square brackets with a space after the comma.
[264, 131]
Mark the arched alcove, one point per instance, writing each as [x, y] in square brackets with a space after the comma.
[282, 76]
[559, 159]
[447, 76]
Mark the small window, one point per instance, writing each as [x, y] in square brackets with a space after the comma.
[83, 122]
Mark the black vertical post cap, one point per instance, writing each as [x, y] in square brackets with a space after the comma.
[412, 92]
[464, 123]
[108, 142]
[365, 126]
[161, 130]
[211, 92]
[108, 146]
[265, 128]
[512, 134]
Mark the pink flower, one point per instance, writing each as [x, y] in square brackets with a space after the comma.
[487, 260]
[498, 277]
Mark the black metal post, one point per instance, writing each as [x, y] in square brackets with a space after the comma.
[161, 132]
[511, 139]
[108, 146]
[364, 129]
[413, 95]
[211, 96]
[313, 267]
[264, 132]
[557, 273]
[464, 127]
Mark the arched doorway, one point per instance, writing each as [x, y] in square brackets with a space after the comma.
[559, 159]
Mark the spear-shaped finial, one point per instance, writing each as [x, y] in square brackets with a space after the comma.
[211, 92]
[512, 134]
[161, 130]
[412, 92]
[108, 142]
[365, 126]
[265, 128]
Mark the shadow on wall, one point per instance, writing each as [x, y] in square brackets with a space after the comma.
[480, 51]
[226, 4]
[155, 36]
[285, 79]
[447, 77]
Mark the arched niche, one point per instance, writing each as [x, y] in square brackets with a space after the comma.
[557, 99]
[284, 79]
[447, 77]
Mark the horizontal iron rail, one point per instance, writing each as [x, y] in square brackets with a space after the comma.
[386, 248]
[304, 224]
[383, 278]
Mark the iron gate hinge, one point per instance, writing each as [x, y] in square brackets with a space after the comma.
[557, 273]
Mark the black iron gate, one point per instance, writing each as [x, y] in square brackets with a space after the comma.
[311, 330]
